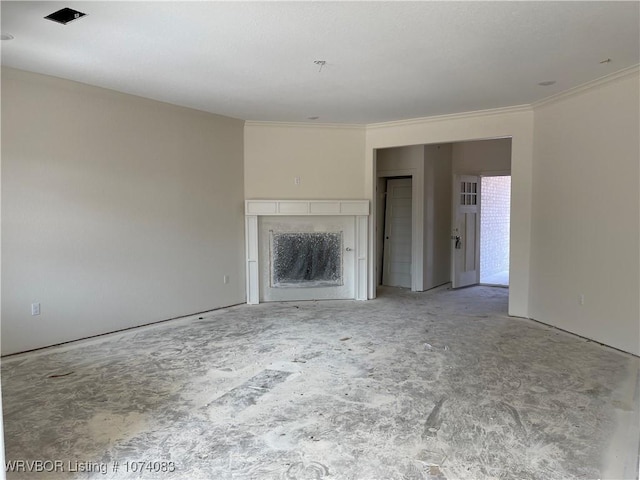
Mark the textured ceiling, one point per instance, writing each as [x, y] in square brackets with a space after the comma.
[385, 60]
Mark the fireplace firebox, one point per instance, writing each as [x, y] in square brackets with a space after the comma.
[306, 259]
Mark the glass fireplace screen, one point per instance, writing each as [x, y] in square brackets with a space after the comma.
[304, 259]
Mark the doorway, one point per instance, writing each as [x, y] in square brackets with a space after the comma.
[396, 260]
[495, 230]
[465, 254]
[435, 252]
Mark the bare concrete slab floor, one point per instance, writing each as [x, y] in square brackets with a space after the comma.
[433, 385]
[500, 278]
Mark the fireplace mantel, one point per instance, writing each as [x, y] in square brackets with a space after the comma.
[307, 207]
[358, 209]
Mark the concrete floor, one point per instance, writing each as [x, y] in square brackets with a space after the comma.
[431, 385]
[499, 278]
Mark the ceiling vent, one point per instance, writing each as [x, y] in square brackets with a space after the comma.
[65, 16]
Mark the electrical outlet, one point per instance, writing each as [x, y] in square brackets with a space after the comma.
[225, 279]
[35, 309]
[581, 299]
[297, 180]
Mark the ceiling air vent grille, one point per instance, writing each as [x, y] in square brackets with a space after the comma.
[65, 16]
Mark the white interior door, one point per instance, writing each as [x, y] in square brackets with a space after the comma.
[466, 231]
[396, 270]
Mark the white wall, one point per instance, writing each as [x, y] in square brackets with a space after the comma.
[585, 232]
[328, 159]
[484, 156]
[437, 219]
[116, 211]
[516, 123]
[393, 159]
[95, 181]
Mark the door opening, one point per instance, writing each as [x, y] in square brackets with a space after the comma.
[494, 228]
[396, 261]
[466, 231]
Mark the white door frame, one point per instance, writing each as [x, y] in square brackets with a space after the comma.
[417, 224]
[390, 235]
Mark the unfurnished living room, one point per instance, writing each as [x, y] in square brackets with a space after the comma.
[320, 240]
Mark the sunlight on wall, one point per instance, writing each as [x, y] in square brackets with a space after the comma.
[494, 227]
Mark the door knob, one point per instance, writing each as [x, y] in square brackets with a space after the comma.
[348, 249]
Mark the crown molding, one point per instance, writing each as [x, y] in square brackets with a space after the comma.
[341, 126]
[453, 116]
[620, 74]
[612, 77]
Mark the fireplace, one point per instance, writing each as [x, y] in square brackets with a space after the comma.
[305, 259]
[306, 249]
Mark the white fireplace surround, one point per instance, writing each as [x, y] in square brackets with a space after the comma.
[357, 209]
